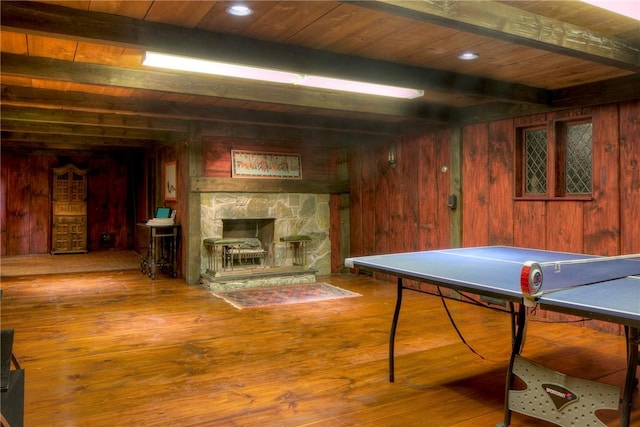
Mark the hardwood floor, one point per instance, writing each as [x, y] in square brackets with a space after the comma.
[24, 265]
[118, 349]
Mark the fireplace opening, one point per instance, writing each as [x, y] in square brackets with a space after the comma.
[256, 235]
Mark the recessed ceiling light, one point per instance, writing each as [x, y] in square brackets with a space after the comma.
[239, 10]
[468, 56]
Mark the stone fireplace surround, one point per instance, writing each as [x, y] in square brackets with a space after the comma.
[292, 214]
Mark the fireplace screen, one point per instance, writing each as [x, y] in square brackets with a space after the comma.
[249, 242]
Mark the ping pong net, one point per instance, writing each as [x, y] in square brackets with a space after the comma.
[538, 278]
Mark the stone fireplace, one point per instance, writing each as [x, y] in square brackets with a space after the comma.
[271, 218]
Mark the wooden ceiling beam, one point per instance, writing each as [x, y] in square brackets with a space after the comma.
[82, 130]
[58, 21]
[80, 101]
[605, 92]
[69, 142]
[20, 117]
[104, 75]
[111, 120]
[515, 25]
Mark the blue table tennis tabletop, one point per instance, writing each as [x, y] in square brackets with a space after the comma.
[495, 271]
[606, 290]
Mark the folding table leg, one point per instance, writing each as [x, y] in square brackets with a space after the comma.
[394, 324]
[518, 326]
[633, 341]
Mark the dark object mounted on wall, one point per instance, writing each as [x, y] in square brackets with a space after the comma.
[452, 202]
[392, 156]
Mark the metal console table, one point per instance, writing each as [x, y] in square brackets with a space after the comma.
[162, 250]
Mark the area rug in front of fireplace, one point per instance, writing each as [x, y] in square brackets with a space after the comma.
[268, 296]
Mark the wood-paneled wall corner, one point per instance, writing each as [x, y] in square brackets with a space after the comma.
[192, 155]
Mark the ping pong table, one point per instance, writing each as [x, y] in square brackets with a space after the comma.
[601, 288]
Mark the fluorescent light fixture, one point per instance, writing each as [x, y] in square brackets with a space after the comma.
[358, 87]
[628, 8]
[183, 63]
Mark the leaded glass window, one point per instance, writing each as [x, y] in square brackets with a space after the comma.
[579, 155]
[536, 161]
[554, 159]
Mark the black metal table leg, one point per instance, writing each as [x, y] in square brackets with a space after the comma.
[392, 334]
[518, 325]
[633, 341]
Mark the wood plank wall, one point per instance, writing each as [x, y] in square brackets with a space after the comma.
[217, 155]
[630, 176]
[404, 208]
[25, 213]
[110, 202]
[607, 224]
[25, 199]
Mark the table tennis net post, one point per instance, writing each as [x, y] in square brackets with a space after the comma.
[538, 278]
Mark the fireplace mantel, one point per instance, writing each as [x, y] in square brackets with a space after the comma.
[205, 184]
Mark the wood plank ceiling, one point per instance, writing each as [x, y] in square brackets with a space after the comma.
[72, 73]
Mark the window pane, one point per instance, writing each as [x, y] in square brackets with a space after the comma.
[579, 155]
[536, 161]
